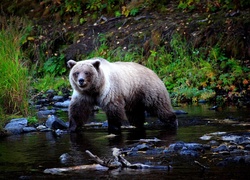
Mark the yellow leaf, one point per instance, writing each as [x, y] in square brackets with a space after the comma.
[30, 38]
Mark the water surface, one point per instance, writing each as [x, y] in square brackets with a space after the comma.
[26, 156]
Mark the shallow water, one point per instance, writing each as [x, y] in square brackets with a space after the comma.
[27, 156]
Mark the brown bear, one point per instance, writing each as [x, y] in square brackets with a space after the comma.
[124, 90]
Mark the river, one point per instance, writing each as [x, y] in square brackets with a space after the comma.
[26, 156]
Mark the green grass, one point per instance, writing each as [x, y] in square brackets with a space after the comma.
[14, 81]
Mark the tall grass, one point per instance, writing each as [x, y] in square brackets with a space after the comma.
[14, 81]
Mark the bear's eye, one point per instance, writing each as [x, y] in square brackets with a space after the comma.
[87, 73]
[76, 74]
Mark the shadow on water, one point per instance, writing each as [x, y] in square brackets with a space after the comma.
[26, 156]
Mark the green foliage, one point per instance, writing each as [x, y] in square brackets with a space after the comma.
[50, 82]
[55, 65]
[73, 6]
[14, 81]
[32, 120]
[188, 73]
[134, 11]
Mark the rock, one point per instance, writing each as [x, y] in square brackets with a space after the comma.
[45, 113]
[178, 112]
[206, 146]
[243, 140]
[154, 151]
[222, 147]
[55, 123]
[193, 146]
[62, 104]
[29, 129]
[65, 158]
[205, 137]
[15, 126]
[237, 152]
[59, 132]
[247, 147]
[42, 101]
[232, 147]
[105, 124]
[142, 147]
[230, 137]
[57, 98]
[41, 127]
[187, 152]
[177, 146]
[50, 94]
[214, 108]
[214, 143]
[202, 101]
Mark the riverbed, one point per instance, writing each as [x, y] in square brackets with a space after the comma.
[26, 156]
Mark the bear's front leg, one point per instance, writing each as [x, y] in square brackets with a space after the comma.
[78, 114]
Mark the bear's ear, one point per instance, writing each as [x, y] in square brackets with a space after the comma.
[96, 64]
[71, 63]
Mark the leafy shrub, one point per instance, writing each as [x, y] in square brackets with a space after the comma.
[55, 65]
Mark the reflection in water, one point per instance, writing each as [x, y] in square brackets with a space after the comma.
[28, 155]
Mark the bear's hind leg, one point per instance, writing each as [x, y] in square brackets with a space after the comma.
[136, 117]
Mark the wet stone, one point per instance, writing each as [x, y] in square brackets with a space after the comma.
[62, 104]
[206, 146]
[222, 147]
[187, 152]
[178, 112]
[243, 140]
[15, 126]
[45, 113]
[194, 146]
[214, 143]
[57, 98]
[142, 147]
[232, 147]
[29, 129]
[177, 146]
[41, 127]
[224, 152]
[54, 122]
[237, 152]
[247, 147]
[154, 151]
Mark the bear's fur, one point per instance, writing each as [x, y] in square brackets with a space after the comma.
[124, 90]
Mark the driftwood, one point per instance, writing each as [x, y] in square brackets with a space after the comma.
[120, 161]
[103, 165]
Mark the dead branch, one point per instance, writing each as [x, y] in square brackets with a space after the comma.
[120, 161]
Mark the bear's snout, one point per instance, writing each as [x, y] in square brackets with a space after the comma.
[81, 81]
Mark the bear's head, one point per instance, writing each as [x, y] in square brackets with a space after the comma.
[84, 74]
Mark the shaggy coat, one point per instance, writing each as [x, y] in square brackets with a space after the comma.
[124, 90]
